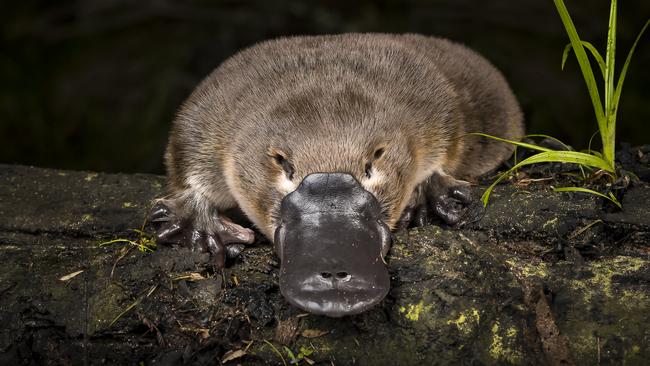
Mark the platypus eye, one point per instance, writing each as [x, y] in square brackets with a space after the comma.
[285, 164]
[378, 153]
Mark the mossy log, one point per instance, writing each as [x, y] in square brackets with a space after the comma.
[542, 278]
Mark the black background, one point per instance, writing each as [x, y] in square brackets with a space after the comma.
[94, 84]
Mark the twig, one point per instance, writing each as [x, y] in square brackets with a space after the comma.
[119, 259]
[582, 230]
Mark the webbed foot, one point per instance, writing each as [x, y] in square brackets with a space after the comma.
[452, 202]
[218, 236]
[439, 196]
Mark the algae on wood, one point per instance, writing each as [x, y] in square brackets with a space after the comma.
[474, 294]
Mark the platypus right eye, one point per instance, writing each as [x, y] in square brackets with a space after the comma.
[285, 164]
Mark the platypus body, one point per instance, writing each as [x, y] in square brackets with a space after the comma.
[328, 143]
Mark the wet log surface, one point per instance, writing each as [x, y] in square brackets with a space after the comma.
[543, 278]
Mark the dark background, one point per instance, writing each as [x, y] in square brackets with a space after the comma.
[94, 84]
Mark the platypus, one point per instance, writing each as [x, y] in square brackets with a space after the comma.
[327, 144]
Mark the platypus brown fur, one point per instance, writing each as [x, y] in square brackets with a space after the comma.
[331, 119]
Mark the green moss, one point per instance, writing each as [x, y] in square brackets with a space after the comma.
[467, 321]
[601, 281]
[502, 346]
[608, 318]
[526, 269]
[412, 311]
[104, 306]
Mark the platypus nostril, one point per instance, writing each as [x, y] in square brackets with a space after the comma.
[343, 276]
[326, 275]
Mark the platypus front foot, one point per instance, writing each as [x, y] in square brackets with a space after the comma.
[215, 234]
[440, 195]
[452, 202]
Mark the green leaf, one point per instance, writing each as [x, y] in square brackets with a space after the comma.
[609, 197]
[583, 61]
[292, 357]
[517, 143]
[551, 157]
[608, 138]
[621, 78]
[610, 56]
[592, 49]
[551, 138]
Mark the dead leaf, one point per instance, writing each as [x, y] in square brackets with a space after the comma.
[231, 355]
[287, 330]
[205, 333]
[196, 276]
[202, 332]
[70, 276]
[190, 277]
[313, 333]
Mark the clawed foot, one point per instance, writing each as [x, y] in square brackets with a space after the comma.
[441, 196]
[452, 205]
[220, 237]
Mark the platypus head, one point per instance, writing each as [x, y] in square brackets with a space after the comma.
[326, 181]
[331, 241]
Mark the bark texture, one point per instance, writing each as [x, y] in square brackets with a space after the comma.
[542, 278]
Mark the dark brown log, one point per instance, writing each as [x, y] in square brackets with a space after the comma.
[542, 278]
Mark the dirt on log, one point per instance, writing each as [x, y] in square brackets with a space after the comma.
[542, 278]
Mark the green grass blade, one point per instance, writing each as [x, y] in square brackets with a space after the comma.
[554, 156]
[275, 350]
[292, 357]
[611, 197]
[621, 78]
[551, 138]
[583, 61]
[592, 152]
[134, 304]
[575, 157]
[486, 195]
[594, 52]
[591, 139]
[609, 60]
[513, 142]
[117, 241]
[551, 157]
[609, 138]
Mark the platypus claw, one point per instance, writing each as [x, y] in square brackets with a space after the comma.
[452, 206]
[413, 216]
[440, 196]
[222, 238]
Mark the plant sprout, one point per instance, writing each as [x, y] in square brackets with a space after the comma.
[605, 108]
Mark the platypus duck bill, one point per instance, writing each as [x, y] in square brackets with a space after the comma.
[331, 241]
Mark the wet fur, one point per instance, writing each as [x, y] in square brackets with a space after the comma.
[328, 104]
